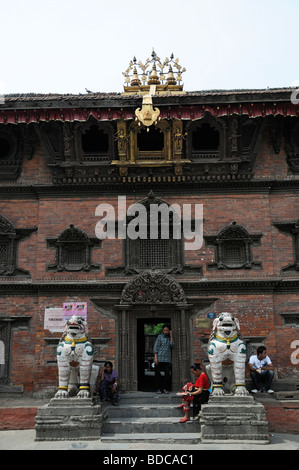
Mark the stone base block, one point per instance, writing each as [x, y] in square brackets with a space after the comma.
[69, 419]
[232, 418]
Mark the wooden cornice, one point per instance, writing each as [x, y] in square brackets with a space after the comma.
[176, 185]
[111, 291]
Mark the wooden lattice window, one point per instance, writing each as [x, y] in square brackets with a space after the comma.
[234, 253]
[73, 251]
[233, 248]
[95, 141]
[3, 254]
[8, 247]
[291, 228]
[9, 239]
[154, 253]
[206, 139]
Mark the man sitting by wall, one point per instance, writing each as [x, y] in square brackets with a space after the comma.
[261, 371]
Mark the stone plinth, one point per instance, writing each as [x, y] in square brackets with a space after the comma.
[69, 419]
[233, 418]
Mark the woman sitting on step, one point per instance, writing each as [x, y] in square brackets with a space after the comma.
[108, 387]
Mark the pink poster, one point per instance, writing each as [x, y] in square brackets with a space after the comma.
[74, 308]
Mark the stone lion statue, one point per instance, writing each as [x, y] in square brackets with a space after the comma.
[225, 343]
[74, 358]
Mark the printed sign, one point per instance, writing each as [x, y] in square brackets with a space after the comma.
[202, 323]
[211, 315]
[53, 319]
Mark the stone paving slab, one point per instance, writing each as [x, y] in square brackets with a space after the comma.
[24, 440]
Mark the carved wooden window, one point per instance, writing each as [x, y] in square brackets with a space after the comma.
[5, 146]
[290, 319]
[94, 142]
[3, 253]
[292, 143]
[51, 134]
[9, 238]
[73, 251]
[291, 228]
[149, 253]
[249, 132]
[11, 151]
[206, 139]
[234, 253]
[153, 253]
[233, 248]
[150, 144]
[151, 139]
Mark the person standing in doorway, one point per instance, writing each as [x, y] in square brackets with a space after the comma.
[163, 360]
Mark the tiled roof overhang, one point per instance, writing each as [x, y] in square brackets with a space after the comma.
[28, 108]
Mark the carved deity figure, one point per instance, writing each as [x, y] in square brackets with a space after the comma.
[225, 343]
[74, 358]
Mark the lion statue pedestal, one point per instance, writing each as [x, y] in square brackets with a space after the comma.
[69, 417]
[233, 418]
[236, 415]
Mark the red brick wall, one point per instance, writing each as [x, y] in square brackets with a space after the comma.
[17, 418]
[259, 314]
[282, 416]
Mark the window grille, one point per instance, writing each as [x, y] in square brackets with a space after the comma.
[74, 257]
[153, 253]
[233, 255]
[3, 254]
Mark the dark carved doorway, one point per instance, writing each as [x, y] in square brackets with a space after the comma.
[149, 298]
[148, 330]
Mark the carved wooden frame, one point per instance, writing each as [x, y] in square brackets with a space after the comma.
[10, 236]
[233, 235]
[217, 124]
[72, 237]
[291, 228]
[131, 248]
[11, 163]
[96, 158]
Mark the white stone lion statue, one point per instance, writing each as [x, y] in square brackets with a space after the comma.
[74, 358]
[225, 343]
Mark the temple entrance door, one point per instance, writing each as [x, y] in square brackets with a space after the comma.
[147, 331]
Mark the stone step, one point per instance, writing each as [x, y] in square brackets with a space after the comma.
[186, 438]
[149, 417]
[290, 395]
[146, 411]
[149, 398]
[147, 426]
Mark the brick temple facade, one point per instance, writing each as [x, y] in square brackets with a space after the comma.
[236, 153]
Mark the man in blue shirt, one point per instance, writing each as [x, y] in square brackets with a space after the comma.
[162, 351]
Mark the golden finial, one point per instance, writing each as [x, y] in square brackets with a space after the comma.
[153, 78]
[135, 80]
[170, 77]
[139, 77]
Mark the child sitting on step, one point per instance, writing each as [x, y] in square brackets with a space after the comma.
[198, 395]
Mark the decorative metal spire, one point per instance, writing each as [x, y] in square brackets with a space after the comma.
[166, 75]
